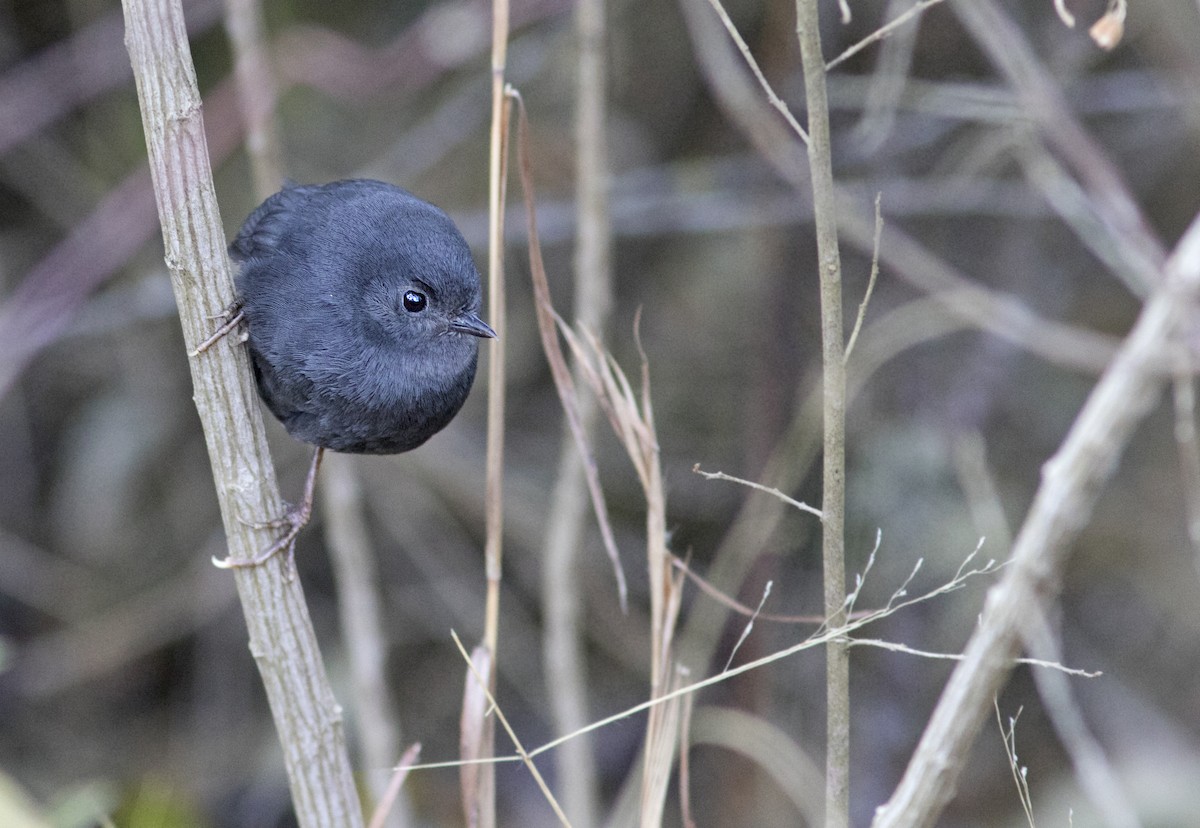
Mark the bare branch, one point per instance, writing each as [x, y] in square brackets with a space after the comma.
[1071, 483]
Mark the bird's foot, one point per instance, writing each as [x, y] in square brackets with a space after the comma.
[233, 317]
[292, 521]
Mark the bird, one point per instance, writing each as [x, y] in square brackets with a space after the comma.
[360, 306]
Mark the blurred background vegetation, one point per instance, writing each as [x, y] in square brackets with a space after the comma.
[125, 683]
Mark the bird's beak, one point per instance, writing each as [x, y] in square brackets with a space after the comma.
[470, 323]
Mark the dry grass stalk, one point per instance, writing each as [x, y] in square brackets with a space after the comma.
[564, 384]
[685, 774]
[474, 733]
[480, 800]
[481, 699]
[633, 422]
[391, 795]
[1019, 774]
[898, 600]
[882, 32]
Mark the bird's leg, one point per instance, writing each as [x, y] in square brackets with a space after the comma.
[233, 317]
[295, 519]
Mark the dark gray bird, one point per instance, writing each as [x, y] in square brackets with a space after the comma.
[361, 307]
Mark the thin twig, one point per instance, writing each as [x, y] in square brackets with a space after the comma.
[862, 307]
[1018, 773]
[881, 32]
[804, 507]
[896, 647]
[741, 609]
[775, 100]
[749, 625]
[823, 637]
[861, 578]
[916, 322]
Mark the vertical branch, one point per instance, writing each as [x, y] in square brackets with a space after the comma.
[837, 664]
[485, 794]
[306, 714]
[356, 579]
[256, 93]
[496, 310]
[562, 645]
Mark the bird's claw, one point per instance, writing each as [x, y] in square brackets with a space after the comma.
[233, 317]
[293, 520]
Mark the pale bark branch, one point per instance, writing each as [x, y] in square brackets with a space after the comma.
[833, 367]
[1071, 483]
[282, 641]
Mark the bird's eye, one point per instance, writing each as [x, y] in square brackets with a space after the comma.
[414, 302]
